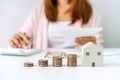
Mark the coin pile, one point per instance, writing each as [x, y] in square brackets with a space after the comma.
[43, 63]
[28, 64]
[57, 61]
[72, 60]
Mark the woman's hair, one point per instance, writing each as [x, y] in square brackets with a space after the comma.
[80, 10]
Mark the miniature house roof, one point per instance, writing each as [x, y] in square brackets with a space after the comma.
[91, 47]
[88, 44]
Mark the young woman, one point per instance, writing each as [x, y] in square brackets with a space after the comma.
[43, 27]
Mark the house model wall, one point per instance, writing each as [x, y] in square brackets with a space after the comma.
[91, 55]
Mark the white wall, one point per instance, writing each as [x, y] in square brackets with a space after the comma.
[110, 10]
[14, 12]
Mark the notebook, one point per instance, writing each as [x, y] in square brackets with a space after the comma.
[19, 52]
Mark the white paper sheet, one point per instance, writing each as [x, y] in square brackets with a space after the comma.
[70, 35]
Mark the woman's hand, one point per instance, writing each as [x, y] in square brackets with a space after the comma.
[19, 40]
[83, 40]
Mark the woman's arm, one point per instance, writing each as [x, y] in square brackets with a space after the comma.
[23, 38]
[95, 21]
[31, 21]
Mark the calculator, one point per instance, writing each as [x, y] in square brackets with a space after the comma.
[19, 51]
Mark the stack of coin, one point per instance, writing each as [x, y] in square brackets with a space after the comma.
[57, 61]
[43, 63]
[28, 64]
[72, 60]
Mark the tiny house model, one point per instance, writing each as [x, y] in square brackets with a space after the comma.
[91, 55]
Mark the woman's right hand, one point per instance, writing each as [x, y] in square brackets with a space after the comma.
[19, 40]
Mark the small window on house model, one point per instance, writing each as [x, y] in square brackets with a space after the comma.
[87, 53]
[99, 53]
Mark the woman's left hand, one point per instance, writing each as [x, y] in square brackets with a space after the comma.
[83, 40]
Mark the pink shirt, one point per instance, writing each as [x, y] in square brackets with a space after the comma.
[36, 27]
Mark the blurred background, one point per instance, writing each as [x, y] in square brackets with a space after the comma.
[14, 12]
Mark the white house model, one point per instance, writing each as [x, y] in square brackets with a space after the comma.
[91, 55]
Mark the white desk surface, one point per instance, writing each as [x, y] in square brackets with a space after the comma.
[11, 68]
